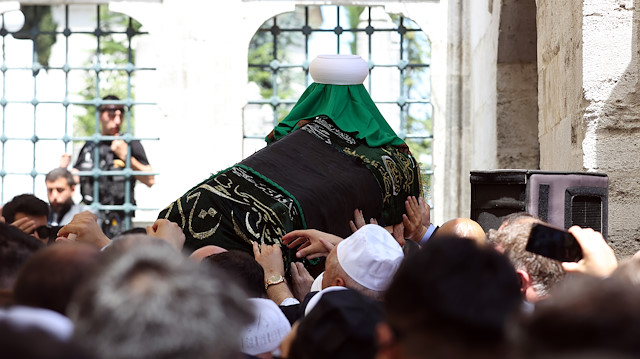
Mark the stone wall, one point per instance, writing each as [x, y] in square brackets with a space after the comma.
[612, 112]
[589, 105]
[465, 137]
[517, 87]
[560, 104]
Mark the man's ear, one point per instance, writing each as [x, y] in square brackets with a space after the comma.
[525, 280]
[338, 282]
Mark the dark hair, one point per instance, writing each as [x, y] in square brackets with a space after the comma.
[241, 266]
[104, 107]
[33, 342]
[452, 295]
[27, 204]
[15, 248]
[341, 325]
[60, 172]
[49, 278]
[583, 315]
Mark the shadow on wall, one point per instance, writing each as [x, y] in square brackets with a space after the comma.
[517, 87]
[616, 144]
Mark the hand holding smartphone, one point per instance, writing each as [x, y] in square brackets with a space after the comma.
[555, 243]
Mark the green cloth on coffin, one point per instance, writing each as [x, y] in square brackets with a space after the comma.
[233, 208]
[349, 106]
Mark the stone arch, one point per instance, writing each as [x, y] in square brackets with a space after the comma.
[517, 87]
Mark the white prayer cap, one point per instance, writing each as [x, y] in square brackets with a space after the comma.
[339, 69]
[52, 322]
[268, 329]
[316, 298]
[370, 256]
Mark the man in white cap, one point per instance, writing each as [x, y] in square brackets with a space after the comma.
[263, 336]
[365, 262]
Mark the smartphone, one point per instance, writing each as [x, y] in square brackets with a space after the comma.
[555, 243]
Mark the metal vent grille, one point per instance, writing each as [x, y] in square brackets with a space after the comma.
[586, 212]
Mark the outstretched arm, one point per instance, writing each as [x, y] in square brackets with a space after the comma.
[311, 243]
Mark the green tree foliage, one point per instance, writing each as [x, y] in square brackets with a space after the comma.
[273, 44]
[40, 28]
[353, 18]
[114, 53]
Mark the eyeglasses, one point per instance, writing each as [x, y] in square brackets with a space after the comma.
[46, 231]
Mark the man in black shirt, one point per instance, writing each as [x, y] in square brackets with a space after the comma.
[112, 156]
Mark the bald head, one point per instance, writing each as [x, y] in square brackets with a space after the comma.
[203, 252]
[463, 228]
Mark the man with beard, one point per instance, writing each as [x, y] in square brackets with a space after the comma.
[60, 188]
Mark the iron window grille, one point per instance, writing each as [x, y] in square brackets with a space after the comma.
[280, 33]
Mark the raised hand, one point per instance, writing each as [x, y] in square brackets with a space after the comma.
[598, 259]
[412, 220]
[311, 243]
[425, 212]
[168, 231]
[25, 224]
[301, 280]
[84, 228]
[358, 220]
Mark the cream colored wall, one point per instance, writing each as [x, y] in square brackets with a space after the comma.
[611, 117]
[559, 25]
[589, 109]
[517, 87]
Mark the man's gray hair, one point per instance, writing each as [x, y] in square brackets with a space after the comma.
[153, 302]
[544, 272]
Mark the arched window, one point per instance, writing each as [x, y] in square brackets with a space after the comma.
[397, 50]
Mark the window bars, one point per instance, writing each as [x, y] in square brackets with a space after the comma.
[53, 89]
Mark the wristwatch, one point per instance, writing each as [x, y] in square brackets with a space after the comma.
[274, 279]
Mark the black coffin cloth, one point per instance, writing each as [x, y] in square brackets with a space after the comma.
[312, 178]
[328, 184]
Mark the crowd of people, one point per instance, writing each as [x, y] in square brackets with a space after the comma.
[412, 290]
[74, 284]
